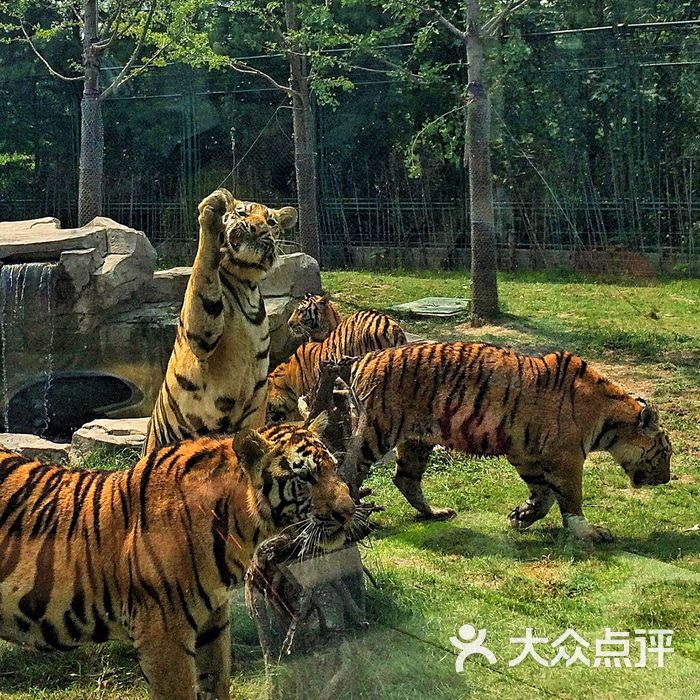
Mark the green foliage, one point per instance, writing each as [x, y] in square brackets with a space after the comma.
[591, 130]
[16, 171]
[108, 460]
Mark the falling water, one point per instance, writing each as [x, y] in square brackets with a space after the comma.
[27, 325]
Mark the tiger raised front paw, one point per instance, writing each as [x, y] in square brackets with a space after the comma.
[218, 201]
[524, 515]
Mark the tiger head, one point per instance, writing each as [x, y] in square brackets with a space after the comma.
[282, 400]
[297, 483]
[643, 449]
[314, 318]
[250, 233]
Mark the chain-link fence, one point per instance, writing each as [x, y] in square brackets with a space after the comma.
[595, 150]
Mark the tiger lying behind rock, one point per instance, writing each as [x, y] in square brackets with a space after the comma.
[544, 414]
[358, 334]
[316, 317]
[150, 554]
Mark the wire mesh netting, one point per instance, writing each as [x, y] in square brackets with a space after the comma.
[595, 148]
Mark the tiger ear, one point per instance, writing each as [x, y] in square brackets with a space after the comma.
[251, 448]
[648, 417]
[319, 424]
[286, 216]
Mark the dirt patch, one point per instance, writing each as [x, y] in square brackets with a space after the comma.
[632, 377]
[502, 335]
[545, 570]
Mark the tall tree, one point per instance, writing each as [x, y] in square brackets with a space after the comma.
[103, 27]
[484, 260]
[307, 34]
[474, 39]
[304, 135]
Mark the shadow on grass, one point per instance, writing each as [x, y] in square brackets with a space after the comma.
[542, 337]
[594, 339]
[447, 539]
[662, 545]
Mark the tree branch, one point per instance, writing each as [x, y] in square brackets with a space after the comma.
[391, 67]
[112, 21]
[249, 70]
[491, 27]
[124, 73]
[77, 14]
[51, 70]
[148, 62]
[456, 32]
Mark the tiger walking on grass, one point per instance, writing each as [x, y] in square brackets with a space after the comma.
[544, 414]
[358, 334]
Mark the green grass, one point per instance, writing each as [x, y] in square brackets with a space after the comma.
[542, 312]
[435, 577]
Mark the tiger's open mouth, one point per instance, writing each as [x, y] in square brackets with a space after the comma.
[248, 251]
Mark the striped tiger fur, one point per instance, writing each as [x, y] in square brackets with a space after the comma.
[216, 376]
[360, 333]
[314, 318]
[544, 414]
[150, 554]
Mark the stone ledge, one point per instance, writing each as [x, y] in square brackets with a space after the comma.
[35, 447]
[111, 434]
[294, 275]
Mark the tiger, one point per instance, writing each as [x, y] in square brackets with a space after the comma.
[216, 379]
[314, 318]
[544, 414]
[150, 554]
[358, 334]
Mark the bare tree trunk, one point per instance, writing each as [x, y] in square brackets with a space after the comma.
[91, 127]
[304, 157]
[483, 235]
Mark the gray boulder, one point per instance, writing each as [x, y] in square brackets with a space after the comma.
[110, 434]
[34, 447]
[294, 275]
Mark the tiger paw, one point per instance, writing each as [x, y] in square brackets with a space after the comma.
[438, 514]
[583, 530]
[523, 516]
[218, 201]
[598, 534]
[211, 211]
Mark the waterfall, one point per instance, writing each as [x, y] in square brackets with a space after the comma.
[27, 327]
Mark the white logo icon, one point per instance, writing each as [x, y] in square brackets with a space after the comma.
[469, 643]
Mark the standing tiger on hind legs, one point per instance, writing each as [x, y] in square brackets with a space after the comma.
[216, 380]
